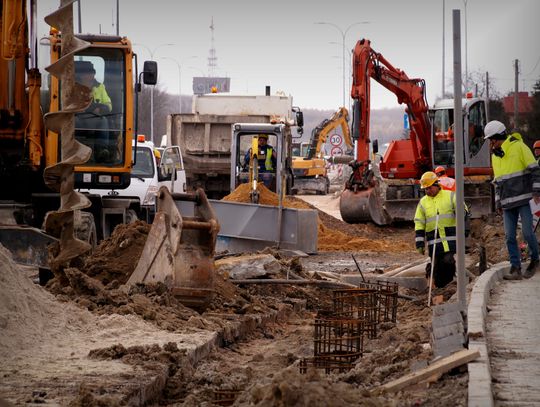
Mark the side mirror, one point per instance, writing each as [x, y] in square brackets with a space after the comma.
[375, 146]
[150, 72]
[300, 119]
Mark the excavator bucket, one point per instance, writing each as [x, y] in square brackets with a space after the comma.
[179, 250]
[363, 205]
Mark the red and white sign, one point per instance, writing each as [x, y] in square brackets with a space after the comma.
[335, 140]
[336, 151]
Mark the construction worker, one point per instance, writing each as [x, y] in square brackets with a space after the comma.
[85, 74]
[536, 148]
[447, 183]
[517, 180]
[435, 222]
[267, 155]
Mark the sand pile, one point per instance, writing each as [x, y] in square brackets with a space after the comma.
[331, 235]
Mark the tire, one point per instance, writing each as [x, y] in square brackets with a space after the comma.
[131, 216]
[85, 228]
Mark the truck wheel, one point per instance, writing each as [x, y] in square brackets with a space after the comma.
[85, 228]
[131, 216]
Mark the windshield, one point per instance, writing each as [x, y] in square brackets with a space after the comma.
[102, 125]
[144, 166]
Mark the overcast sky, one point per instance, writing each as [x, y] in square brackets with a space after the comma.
[277, 42]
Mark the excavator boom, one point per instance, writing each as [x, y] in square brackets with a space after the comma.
[387, 190]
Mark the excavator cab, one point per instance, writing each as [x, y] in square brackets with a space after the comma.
[105, 125]
[273, 170]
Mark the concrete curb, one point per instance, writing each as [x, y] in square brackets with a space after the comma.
[480, 392]
[236, 328]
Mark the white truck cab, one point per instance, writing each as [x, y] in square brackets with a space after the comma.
[152, 169]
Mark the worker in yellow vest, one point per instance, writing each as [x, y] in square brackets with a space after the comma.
[517, 180]
[435, 224]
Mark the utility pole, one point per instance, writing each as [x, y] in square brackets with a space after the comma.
[487, 95]
[516, 105]
[458, 154]
[118, 18]
[442, 92]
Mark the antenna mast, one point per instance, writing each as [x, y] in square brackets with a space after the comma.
[212, 59]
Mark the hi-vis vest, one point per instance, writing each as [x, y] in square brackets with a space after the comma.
[100, 95]
[425, 218]
[516, 174]
[267, 153]
[447, 183]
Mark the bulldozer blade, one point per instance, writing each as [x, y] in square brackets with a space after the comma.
[179, 251]
[28, 245]
[363, 206]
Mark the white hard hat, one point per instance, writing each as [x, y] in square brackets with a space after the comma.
[495, 129]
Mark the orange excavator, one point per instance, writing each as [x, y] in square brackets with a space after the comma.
[387, 189]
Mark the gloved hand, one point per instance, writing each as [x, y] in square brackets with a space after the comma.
[420, 250]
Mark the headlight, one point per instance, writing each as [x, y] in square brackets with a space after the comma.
[151, 193]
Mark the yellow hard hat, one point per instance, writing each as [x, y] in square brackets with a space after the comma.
[428, 179]
[263, 136]
[157, 153]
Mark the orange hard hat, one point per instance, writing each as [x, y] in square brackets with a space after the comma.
[439, 170]
[536, 144]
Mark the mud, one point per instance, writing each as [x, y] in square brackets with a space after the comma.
[100, 342]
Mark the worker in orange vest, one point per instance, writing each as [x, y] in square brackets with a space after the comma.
[445, 181]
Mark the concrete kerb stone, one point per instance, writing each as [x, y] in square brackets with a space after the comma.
[480, 391]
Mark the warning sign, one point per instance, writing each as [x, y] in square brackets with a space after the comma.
[336, 151]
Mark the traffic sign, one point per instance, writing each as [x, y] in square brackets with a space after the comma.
[335, 140]
[336, 151]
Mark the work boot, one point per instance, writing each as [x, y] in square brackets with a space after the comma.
[515, 274]
[531, 269]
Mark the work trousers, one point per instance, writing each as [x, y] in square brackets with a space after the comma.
[444, 270]
[510, 217]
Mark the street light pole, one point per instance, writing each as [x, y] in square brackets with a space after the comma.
[343, 36]
[179, 82]
[152, 52]
[466, 49]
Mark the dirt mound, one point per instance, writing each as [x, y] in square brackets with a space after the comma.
[488, 232]
[125, 246]
[333, 234]
[290, 388]
[266, 197]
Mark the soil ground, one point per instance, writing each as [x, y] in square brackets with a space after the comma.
[84, 340]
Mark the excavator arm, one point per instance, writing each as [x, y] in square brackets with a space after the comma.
[320, 133]
[363, 198]
[369, 64]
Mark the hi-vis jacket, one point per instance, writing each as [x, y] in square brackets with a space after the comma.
[516, 174]
[100, 95]
[425, 218]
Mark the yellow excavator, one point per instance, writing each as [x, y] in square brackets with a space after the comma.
[84, 141]
[309, 170]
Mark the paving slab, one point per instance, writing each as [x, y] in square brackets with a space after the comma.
[513, 338]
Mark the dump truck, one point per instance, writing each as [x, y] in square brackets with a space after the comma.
[204, 135]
